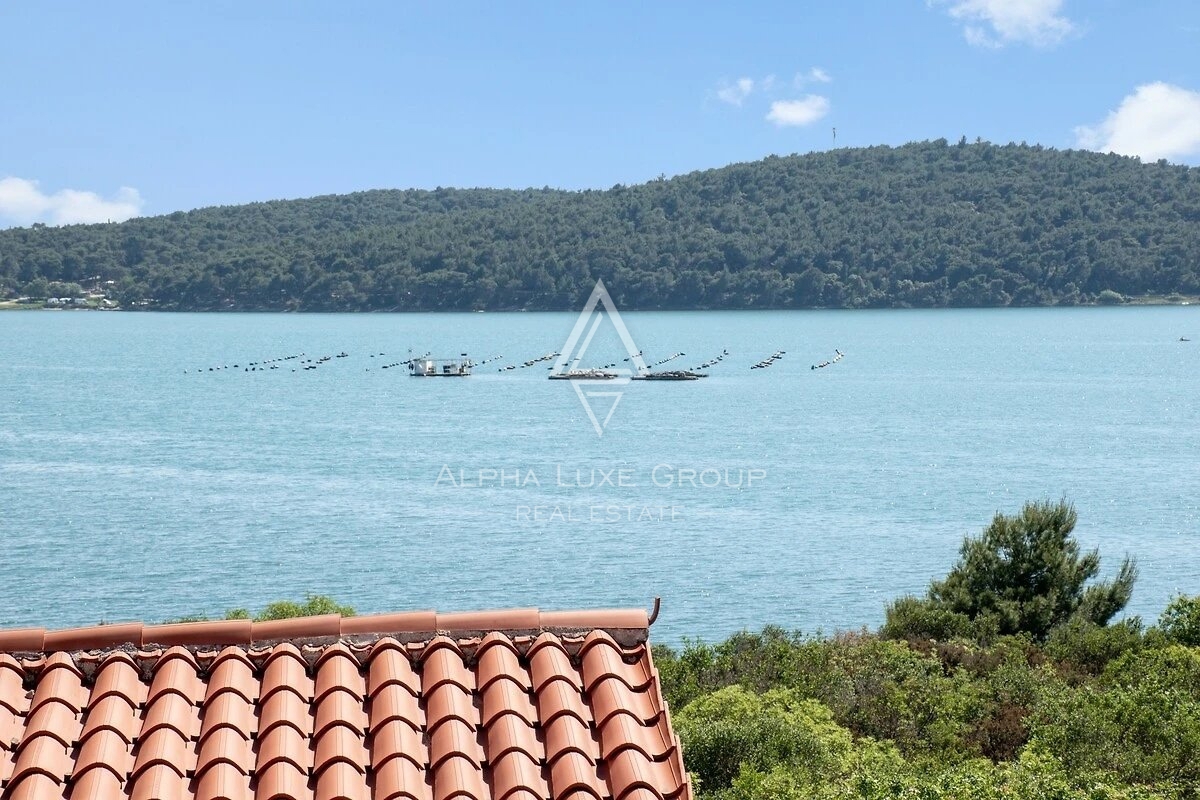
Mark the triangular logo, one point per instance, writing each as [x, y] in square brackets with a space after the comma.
[597, 385]
[594, 402]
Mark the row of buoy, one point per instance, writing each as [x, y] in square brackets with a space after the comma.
[314, 363]
[252, 366]
[824, 364]
[668, 359]
[275, 363]
[712, 362]
[530, 362]
[766, 362]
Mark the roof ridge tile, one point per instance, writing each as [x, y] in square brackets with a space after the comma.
[206, 632]
[400, 622]
[247, 633]
[23, 640]
[93, 637]
[513, 619]
[276, 630]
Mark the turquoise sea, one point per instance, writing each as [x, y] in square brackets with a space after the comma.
[137, 484]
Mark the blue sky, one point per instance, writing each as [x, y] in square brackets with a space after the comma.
[118, 109]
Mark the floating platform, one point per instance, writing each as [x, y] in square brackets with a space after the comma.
[583, 375]
[670, 375]
[426, 367]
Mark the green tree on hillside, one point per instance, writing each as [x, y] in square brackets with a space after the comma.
[1024, 574]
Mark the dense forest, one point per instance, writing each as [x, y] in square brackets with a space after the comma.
[922, 225]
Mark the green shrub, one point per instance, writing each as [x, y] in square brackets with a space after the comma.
[1140, 722]
[1086, 647]
[735, 729]
[879, 775]
[913, 618]
[758, 661]
[1180, 622]
[888, 690]
[313, 605]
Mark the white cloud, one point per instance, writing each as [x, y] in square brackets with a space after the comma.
[794, 113]
[995, 23]
[734, 93]
[1157, 121]
[23, 202]
[814, 75]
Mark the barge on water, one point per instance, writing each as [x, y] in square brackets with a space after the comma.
[670, 375]
[583, 375]
[427, 367]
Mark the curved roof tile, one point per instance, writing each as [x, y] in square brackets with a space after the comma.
[222, 782]
[515, 772]
[400, 778]
[395, 703]
[500, 705]
[506, 697]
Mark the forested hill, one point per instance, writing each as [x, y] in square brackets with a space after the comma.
[926, 224]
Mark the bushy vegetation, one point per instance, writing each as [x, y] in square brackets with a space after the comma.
[923, 225]
[1024, 574]
[1026, 691]
[313, 605]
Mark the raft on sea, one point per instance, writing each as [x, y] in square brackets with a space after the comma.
[583, 375]
[427, 367]
[670, 375]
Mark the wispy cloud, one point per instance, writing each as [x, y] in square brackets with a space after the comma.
[996, 23]
[797, 113]
[814, 75]
[1158, 120]
[736, 92]
[23, 202]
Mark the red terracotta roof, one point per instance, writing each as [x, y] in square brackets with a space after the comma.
[504, 705]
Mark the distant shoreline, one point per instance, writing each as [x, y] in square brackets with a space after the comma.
[1148, 300]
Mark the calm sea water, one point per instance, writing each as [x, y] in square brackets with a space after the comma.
[136, 484]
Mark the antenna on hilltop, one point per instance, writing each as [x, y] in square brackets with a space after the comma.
[835, 137]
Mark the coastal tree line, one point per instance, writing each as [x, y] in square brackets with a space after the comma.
[922, 225]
